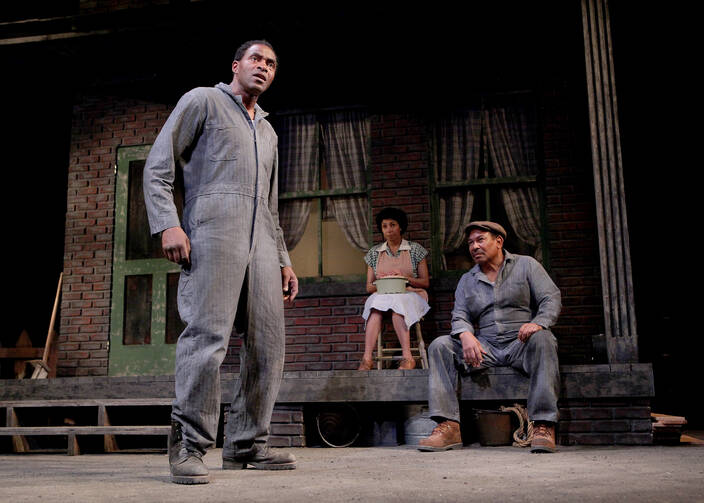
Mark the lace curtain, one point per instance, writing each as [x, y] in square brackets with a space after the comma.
[456, 151]
[298, 171]
[345, 137]
[511, 140]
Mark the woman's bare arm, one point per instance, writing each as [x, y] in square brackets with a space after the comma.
[371, 287]
[423, 279]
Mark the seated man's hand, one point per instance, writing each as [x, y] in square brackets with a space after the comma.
[472, 349]
[176, 245]
[526, 330]
[289, 282]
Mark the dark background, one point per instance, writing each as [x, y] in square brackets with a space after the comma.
[388, 59]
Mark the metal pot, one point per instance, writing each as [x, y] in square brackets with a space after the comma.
[391, 284]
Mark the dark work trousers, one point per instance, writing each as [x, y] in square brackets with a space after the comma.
[537, 358]
[233, 280]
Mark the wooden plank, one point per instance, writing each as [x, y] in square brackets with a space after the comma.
[84, 430]
[578, 381]
[109, 443]
[88, 402]
[21, 353]
[73, 449]
[20, 365]
[19, 443]
[667, 420]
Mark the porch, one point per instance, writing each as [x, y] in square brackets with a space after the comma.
[599, 404]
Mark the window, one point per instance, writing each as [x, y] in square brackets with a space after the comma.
[485, 167]
[323, 191]
[144, 322]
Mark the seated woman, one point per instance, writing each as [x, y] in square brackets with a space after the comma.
[395, 257]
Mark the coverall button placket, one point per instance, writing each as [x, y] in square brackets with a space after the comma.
[255, 215]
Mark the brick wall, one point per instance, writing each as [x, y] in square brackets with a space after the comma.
[322, 333]
[100, 126]
[605, 422]
[571, 220]
[287, 426]
[400, 170]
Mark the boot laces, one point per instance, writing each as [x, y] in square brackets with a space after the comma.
[541, 430]
[442, 427]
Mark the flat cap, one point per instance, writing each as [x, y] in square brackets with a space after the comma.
[486, 226]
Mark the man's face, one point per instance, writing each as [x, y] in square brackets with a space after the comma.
[255, 71]
[484, 246]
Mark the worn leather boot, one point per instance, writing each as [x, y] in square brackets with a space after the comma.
[263, 459]
[444, 437]
[543, 437]
[187, 467]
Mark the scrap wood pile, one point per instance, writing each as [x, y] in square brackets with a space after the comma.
[24, 355]
[667, 429]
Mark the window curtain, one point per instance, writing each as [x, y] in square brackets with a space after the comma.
[345, 137]
[456, 152]
[511, 138]
[298, 171]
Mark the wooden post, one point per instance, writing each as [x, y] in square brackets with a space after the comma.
[614, 246]
[73, 448]
[19, 442]
[109, 442]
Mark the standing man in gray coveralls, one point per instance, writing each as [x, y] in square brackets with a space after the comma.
[234, 263]
[504, 308]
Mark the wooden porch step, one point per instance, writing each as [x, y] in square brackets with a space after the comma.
[87, 402]
[27, 437]
[578, 382]
[84, 430]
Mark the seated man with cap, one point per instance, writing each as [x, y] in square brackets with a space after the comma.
[504, 308]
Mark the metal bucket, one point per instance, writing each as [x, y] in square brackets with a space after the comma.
[494, 427]
[417, 427]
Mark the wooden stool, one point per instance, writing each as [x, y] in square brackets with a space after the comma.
[419, 351]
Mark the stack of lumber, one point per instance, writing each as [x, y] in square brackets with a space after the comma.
[667, 429]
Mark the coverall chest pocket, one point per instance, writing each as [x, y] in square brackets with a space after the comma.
[222, 143]
[479, 300]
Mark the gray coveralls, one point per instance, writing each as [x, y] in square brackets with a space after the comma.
[229, 166]
[522, 293]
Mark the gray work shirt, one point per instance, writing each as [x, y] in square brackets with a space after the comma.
[522, 293]
[220, 150]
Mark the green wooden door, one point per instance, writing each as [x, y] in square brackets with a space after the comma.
[144, 322]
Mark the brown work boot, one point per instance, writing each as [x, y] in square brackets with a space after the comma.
[543, 437]
[407, 364]
[366, 364]
[445, 436]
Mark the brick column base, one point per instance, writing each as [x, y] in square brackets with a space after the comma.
[605, 422]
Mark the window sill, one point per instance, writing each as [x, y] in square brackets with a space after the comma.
[339, 286]
[332, 286]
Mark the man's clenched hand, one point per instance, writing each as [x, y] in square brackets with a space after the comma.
[176, 245]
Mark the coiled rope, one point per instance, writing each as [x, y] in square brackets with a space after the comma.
[524, 433]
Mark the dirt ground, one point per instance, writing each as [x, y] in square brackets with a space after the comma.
[655, 473]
